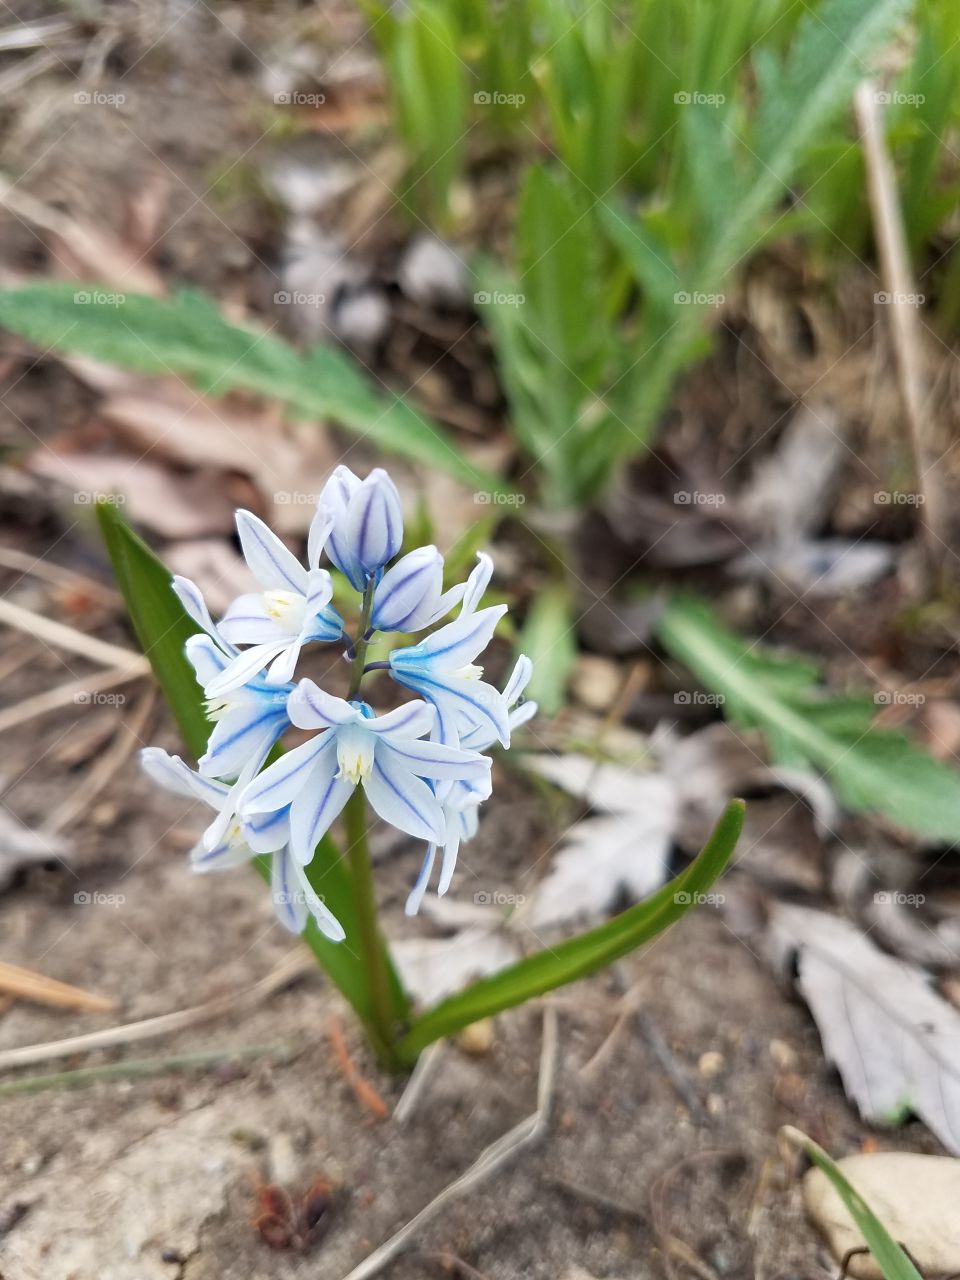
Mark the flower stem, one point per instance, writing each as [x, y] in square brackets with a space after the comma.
[383, 1027]
[383, 1024]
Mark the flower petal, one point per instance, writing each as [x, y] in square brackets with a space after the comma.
[327, 922]
[519, 679]
[453, 646]
[374, 522]
[335, 498]
[222, 857]
[281, 782]
[191, 597]
[171, 772]
[267, 832]
[318, 805]
[404, 800]
[408, 591]
[310, 707]
[245, 732]
[244, 667]
[271, 563]
[415, 897]
[249, 621]
[284, 665]
[206, 657]
[477, 583]
[434, 760]
[449, 862]
[320, 528]
[411, 720]
[288, 898]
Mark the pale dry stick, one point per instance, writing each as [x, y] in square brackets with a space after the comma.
[124, 742]
[80, 690]
[629, 1003]
[904, 318]
[295, 965]
[26, 984]
[64, 637]
[522, 1135]
[416, 1085]
[56, 574]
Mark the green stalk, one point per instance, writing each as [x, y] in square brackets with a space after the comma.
[383, 1024]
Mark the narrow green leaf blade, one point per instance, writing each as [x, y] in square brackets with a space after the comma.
[162, 627]
[577, 958]
[888, 1255]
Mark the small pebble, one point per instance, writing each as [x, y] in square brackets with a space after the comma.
[711, 1063]
[477, 1038]
[783, 1055]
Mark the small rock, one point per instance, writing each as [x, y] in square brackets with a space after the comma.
[430, 272]
[914, 1196]
[784, 1055]
[477, 1038]
[362, 316]
[715, 1104]
[596, 681]
[711, 1063]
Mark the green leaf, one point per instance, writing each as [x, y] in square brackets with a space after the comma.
[650, 261]
[872, 769]
[549, 640]
[578, 957]
[187, 335]
[162, 627]
[893, 1262]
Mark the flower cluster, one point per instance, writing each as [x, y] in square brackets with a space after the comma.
[422, 765]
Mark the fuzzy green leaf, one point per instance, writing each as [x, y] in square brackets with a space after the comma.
[187, 335]
[876, 770]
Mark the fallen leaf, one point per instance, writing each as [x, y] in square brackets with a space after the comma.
[21, 847]
[914, 1196]
[175, 506]
[895, 1042]
[432, 968]
[217, 569]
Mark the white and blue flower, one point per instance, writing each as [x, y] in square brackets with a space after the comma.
[367, 523]
[410, 595]
[229, 842]
[386, 754]
[461, 800]
[292, 609]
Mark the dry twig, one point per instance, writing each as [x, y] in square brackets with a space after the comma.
[26, 984]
